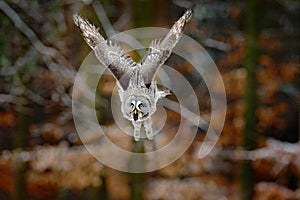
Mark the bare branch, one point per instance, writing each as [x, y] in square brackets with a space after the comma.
[38, 45]
[100, 12]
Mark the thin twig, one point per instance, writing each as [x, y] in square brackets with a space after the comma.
[100, 12]
[38, 45]
[195, 119]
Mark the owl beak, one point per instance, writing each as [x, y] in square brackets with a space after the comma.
[135, 114]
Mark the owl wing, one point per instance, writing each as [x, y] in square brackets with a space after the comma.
[160, 50]
[108, 53]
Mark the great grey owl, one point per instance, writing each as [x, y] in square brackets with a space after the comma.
[137, 88]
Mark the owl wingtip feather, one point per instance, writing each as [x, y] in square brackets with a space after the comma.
[89, 31]
[188, 14]
[76, 19]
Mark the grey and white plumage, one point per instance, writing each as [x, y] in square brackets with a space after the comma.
[137, 88]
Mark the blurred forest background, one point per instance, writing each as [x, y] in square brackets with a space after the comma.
[255, 45]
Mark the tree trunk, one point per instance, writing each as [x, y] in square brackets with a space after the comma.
[143, 15]
[20, 134]
[250, 135]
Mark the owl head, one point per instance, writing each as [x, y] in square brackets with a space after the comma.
[137, 101]
[136, 108]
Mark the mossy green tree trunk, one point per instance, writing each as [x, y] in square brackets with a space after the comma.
[137, 179]
[250, 135]
[20, 134]
[143, 15]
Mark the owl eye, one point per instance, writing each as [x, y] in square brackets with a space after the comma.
[140, 105]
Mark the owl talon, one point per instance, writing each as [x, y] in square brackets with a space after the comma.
[137, 130]
[149, 135]
[136, 138]
[136, 135]
[148, 129]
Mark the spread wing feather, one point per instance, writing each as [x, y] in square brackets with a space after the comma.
[160, 50]
[109, 54]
